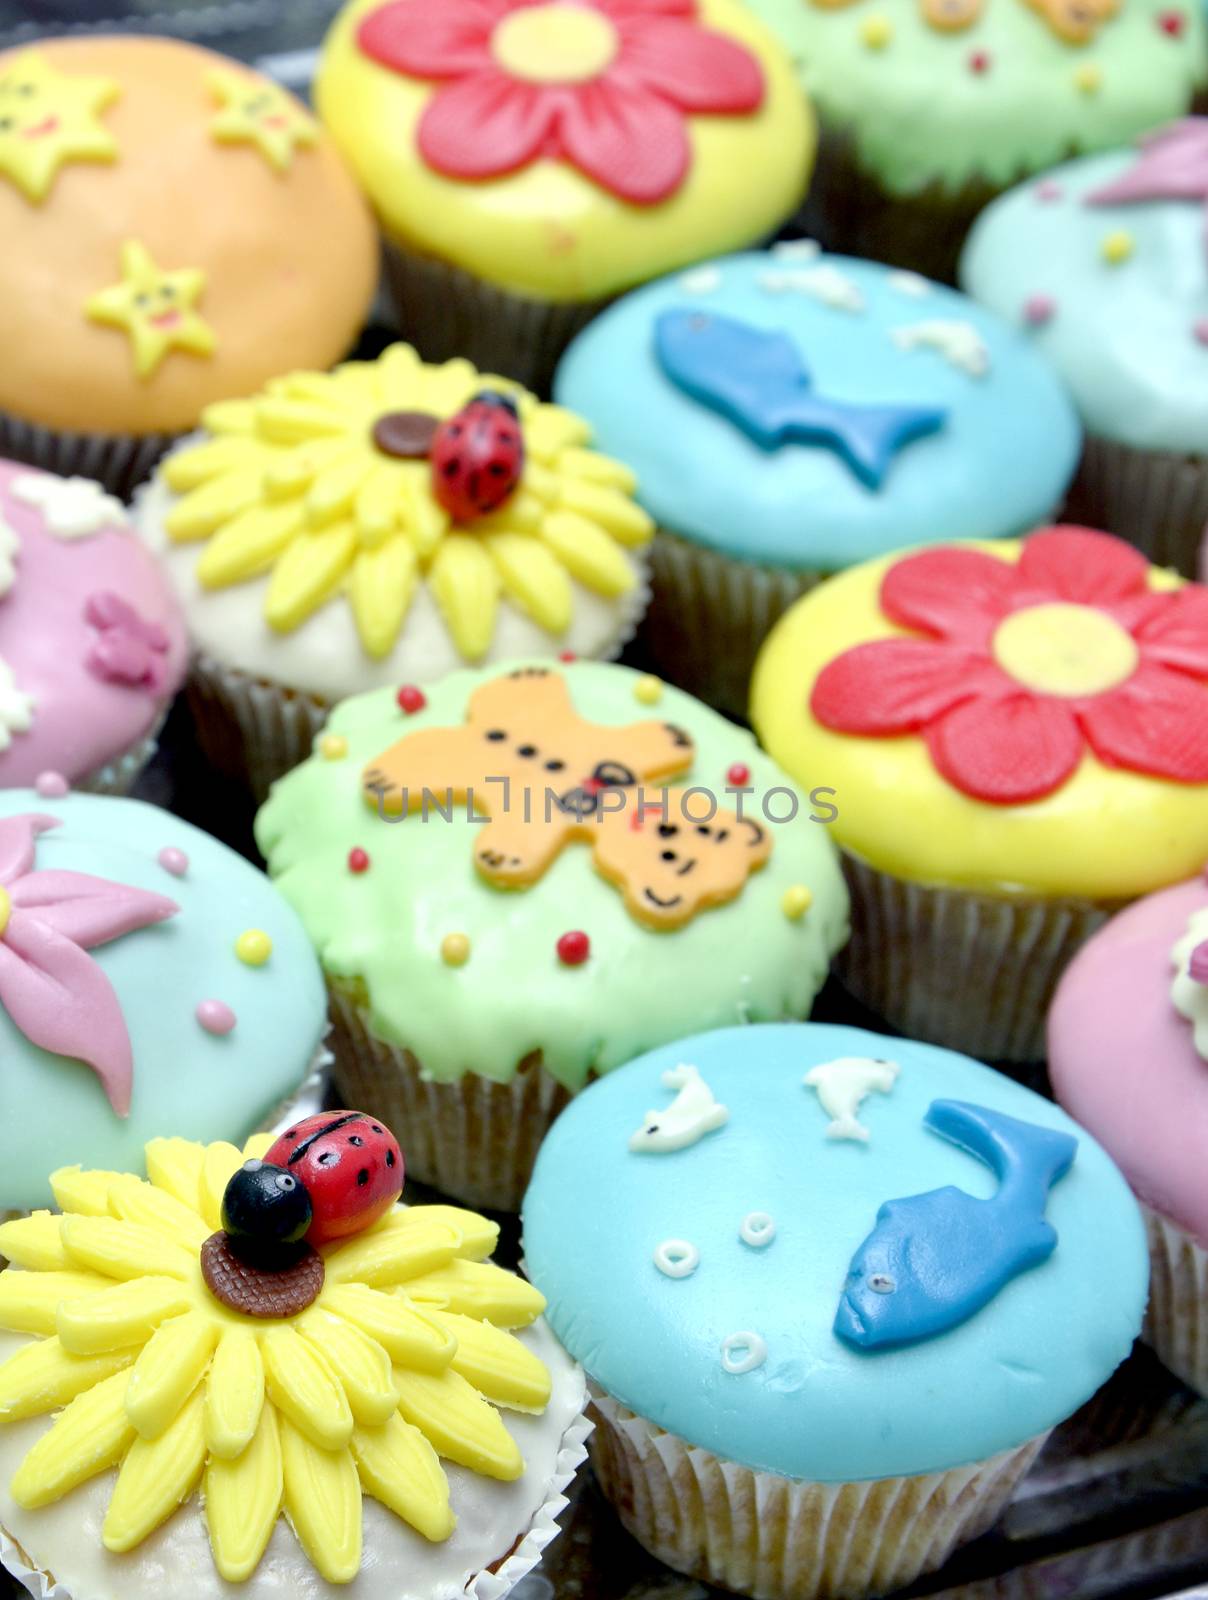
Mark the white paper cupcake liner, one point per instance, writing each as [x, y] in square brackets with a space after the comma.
[708, 617]
[1155, 499]
[248, 728]
[121, 774]
[473, 1139]
[777, 1539]
[119, 461]
[1176, 1323]
[972, 972]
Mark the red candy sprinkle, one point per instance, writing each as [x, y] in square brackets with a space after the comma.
[739, 775]
[411, 699]
[979, 61]
[573, 949]
[567, 655]
[358, 860]
[1172, 22]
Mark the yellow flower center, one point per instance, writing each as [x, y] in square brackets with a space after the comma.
[1065, 649]
[555, 43]
[6, 908]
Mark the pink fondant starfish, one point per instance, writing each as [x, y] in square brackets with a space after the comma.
[1172, 165]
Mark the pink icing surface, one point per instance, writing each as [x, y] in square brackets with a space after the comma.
[82, 719]
[1122, 1060]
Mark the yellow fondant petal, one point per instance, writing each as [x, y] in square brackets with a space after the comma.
[379, 503]
[400, 1468]
[361, 1366]
[249, 544]
[424, 521]
[334, 490]
[459, 1424]
[323, 1499]
[295, 421]
[445, 389]
[167, 1371]
[549, 430]
[234, 1393]
[522, 513]
[205, 509]
[587, 553]
[388, 1256]
[35, 1242]
[174, 1165]
[230, 416]
[303, 1388]
[243, 1500]
[42, 1377]
[156, 1477]
[407, 1335]
[399, 373]
[121, 1315]
[293, 471]
[258, 1145]
[480, 1290]
[307, 574]
[533, 578]
[543, 483]
[598, 469]
[465, 585]
[29, 1300]
[609, 509]
[84, 1192]
[186, 470]
[92, 1435]
[133, 1201]
[380, 589]
[478, 1236]
[496, 1363]
[123, 1249]
[219, 1165]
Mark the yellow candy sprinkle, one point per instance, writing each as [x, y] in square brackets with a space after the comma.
[876, 32]
[6, 908]
[253, 947]
[648, 691]
[455, 949]
[796, 902]
[1089, 79]
[1117, 247]
[333, 747]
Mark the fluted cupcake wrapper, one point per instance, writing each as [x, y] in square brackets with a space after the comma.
[248, 728]
[1157, 500]
[120, 775]
[972, 972]
[708, 617]
[118, 461]
[778, 1539]
[1176, 1322]
[473, 1139]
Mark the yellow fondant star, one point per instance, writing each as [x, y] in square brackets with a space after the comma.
[155, 308]
[48, 118]
[255, 111]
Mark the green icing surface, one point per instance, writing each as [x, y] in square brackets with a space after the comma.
[920, 114]
[743, 961]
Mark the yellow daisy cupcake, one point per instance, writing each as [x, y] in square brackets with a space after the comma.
[264, 1372]
[386, 522]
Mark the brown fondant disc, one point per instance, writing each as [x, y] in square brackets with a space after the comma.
[405, 434]
[259, 1291]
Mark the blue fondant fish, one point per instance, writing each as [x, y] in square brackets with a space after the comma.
[758, 381]
[934, 1259]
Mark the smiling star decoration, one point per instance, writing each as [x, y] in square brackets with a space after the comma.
[545, 778]
[258, 113]
[155, 308]
[48, 118]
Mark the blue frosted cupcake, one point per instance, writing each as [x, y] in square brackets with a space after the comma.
[789, 414]
[840, 1289]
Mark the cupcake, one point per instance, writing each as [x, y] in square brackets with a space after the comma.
[1104, 263]
[789, 414]
[528, 162]
[929, 108]
[386, 522]
[92, 642]
[816, 1325]
[1017, 738]
[150, 978]
[177, 230]
[274, 1380]
[1128, 1057]
[525, 877]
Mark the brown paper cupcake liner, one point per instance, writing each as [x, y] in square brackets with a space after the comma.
[250, 729]
[1176, 1323]
[1155, 499]
[446, 312]
[972, 972]
[118, 461]
[473, 1139]
[778, 1539]
[708, 617]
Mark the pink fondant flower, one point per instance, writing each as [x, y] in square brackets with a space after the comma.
[622, 125]
[127, 648]
[53, 991]
[997, 736]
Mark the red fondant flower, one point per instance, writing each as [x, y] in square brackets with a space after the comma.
[617, 112]
[1022, 666]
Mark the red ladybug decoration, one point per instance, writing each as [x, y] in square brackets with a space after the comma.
[350, 1165]
[478, 456]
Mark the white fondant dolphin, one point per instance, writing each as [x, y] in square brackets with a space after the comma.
[841, 1086]
[692, 1114]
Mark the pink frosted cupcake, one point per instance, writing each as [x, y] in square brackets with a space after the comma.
[1128, 1057]
[92, 644]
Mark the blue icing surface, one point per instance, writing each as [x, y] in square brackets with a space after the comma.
[817, 1408]
[186, 1081]
[1130, 338]
[997, 466]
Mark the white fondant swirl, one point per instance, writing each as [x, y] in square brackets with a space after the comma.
[959, 343]
[1191, 998]
[16, 707]
[72, 508]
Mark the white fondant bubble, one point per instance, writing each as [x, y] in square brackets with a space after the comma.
[758, 1229]
[743, 1352]
[677, 1258]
